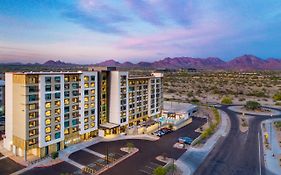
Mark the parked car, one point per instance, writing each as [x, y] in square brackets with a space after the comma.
[159, 133]
[186, 140]
[166, 130]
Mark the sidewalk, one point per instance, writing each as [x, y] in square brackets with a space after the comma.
[193, 157]
[271, 163]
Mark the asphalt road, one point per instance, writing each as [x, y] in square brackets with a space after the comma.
[238, 153]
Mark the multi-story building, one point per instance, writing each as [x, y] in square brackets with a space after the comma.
[47, 111]
[2, 95]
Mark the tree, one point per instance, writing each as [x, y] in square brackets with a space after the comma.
[54, 155]
[252, 105]
[159, 171]
[226, 100]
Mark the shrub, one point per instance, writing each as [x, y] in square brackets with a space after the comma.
[226, 100]
[159, 171]
[252, 105]
[54, 155]
[194, 100]
[277, 96]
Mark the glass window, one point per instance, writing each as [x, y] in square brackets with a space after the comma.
[32, 98]
[57, 135]
[93, 84]
[57, 95]
[33, 115]
[48, 88]
[75, 85]
[86, 127]
[86, 120]
[48, 104]
[48, 80]
[66, 101]
[66, 94]
[86, 92]
[92, 91]
[48, 113]
[32, 89]
[48, 121]
[57, 79]
[86, 85]
[66, 86]
[48, 96]
[57, 103]
[93, 78]
[66, 131]
[86, 106]
[57, 111]
[57, 87]
[86, 78]
[32, 124]
[86, 99]
[66, 109]
[32, 106]
[75, 93]
[48, 130]
[66, 124]
[74, 122]
[57, 127]
[48, 138]
[93, 124]
[57, 119]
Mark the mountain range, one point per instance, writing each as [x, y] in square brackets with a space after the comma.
[245, 62]
[241, 63]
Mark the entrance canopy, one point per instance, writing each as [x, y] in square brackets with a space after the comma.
[109, 125]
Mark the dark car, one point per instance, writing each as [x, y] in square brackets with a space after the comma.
[166, 130]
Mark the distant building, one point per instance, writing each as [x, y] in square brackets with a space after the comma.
[178, 111]
[46, 111]
[2, 95]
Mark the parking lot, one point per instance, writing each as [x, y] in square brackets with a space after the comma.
[141, 163]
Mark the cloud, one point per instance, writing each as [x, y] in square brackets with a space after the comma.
[96, 16]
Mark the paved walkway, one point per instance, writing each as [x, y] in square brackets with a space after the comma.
[94, 153]
[193, 157]
[272, 163]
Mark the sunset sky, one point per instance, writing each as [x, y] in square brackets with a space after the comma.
[90, 31]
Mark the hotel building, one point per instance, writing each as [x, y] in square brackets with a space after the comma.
[47, 111]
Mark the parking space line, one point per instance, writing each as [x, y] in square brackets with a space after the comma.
[149, 167]
[145, 172]
[94, 153]
[155, 164]
[3, 157]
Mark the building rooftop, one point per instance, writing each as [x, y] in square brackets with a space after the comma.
[45, 73]
[176, 107]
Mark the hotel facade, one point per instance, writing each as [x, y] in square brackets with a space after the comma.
[48, 111]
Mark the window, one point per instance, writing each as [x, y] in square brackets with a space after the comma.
[86, 106]
[32, 98]
[66, 116]
[57, 95]
[32, 89]
[74, 122]
[66, 131]
[48, 121]
[48, 113]
[48, 138]
[57, 127]
[86, 85]
[32, 124]
[32, 106]
[48, 88]
[93, 98]
[66, 79]
[48, 130]
[66, 101]
[32, 142]
[48, 105]
[92, 117]
[66, 86]
[86, 92]
[86, 120]
[66, 109]
[86, 113]
[57, 135]
[92, 91]
[57, 119]
[57, 79]
[57, 111]
[75, 93]
[92, 105]
[75, 107]
[32, 132]
[66, 94]
[86, 99]
[66, 124]
[33, 115]
[48, 80]
[92, 84]
[48, 96]
[57, 87]
[75, 85]
[75, 100]
[57, 103]
[93, 124]
[93, 78]
[86, 78]
[86, 127]
[92, 111]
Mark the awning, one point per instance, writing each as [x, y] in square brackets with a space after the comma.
[109, 125]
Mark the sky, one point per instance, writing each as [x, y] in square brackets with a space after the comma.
[91, 31]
